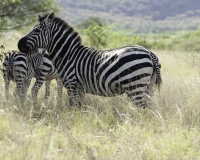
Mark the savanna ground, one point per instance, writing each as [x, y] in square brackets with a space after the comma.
[110, 128]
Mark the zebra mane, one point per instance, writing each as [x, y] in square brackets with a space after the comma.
[64, 23]
[41, 18]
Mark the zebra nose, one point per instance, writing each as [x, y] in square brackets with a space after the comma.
[22, 45]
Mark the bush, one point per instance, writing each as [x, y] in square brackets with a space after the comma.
[97, 35]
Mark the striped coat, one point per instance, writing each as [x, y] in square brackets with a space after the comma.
[131, 69]
[21, 68]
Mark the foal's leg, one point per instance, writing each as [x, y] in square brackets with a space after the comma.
[7, 82]
[47, 89]
[59, 87]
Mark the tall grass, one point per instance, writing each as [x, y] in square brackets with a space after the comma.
[110, 128]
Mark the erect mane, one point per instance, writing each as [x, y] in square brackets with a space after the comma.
[64, 23]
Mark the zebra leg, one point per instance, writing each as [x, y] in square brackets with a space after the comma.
[19, 78]
[47, 91]
[25, 87]
[71, 96]
[79, 97]
[35, 89]
[75, 95]
[59, 87]
[137, 95]
[18, 89]
[19, 92]
[7, 82]
[149, 90]
[59, 90]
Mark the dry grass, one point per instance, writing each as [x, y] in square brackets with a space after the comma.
[111, 128]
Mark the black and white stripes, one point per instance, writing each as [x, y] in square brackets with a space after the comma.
[22, 68]
[132, 69]
[15, 68]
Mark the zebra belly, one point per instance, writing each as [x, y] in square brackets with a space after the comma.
[115, 85]
[109, 93]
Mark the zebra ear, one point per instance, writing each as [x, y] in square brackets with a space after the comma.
[49, 18]
[40, 17]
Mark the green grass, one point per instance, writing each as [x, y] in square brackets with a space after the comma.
[110, 128]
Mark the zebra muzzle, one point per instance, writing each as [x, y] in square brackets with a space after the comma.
[22, 45]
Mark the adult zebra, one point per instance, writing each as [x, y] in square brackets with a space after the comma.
[21, 68]
[131, 69]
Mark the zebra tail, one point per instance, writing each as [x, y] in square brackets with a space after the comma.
[158, 76]
[156, 71]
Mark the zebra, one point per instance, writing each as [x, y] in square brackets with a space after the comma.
[15, 69]
[130, 69]
[21, 68]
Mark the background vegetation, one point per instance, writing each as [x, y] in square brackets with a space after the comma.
[16, 14]
[111, 37]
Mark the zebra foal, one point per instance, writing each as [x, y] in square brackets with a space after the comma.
[21, 68]
[132, 69]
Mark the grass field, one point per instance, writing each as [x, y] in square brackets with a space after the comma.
[110, 128]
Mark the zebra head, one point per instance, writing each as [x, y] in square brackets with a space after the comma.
[39, 36]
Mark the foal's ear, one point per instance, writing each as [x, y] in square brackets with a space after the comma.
[49, 18]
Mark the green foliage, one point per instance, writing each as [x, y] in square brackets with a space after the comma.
[10, 1]
[109, 37]
[97, 35]
[16, 14]
[125, 38]
[185, 41]
[90, 20]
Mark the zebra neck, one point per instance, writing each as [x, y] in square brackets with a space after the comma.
[69, 52]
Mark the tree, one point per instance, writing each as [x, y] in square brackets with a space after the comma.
[95, 30]
[7, 1]
[90, 21]
[97, 35]
[15, 14]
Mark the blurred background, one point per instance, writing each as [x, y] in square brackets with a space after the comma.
[155, 24]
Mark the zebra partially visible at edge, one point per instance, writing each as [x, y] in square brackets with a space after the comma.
[132, 69]
[21, 68]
